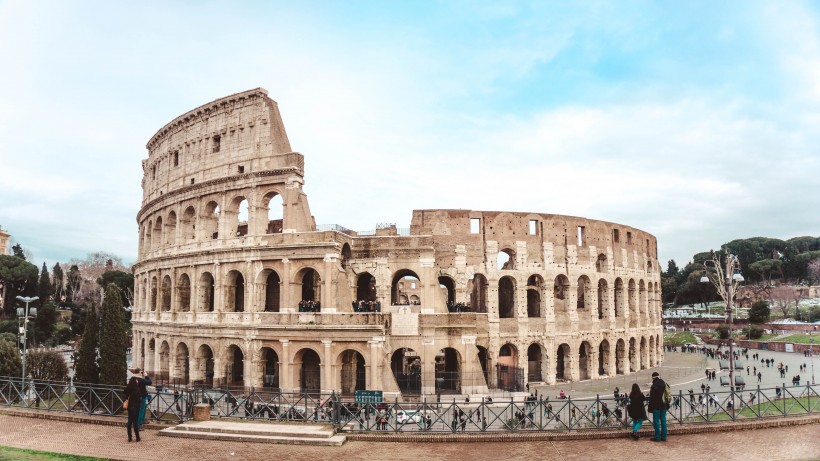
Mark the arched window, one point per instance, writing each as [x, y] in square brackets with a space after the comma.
[535, 285]
[171, 229]
[210, 221]
[478, 296]
[506, 259]
[188, 224]
[184, 293]
[235, 292]
[405, 284]
[157, 243]
[272, 283]
[166, 293]
[206, 292]
[506, 298]
[275, 215]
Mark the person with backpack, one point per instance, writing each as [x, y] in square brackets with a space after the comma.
[659, 395]
[636, 410]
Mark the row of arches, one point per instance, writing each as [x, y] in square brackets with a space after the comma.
[239, 217]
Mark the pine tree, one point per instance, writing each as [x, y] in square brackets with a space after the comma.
[57, 276]
[112, 338]
[87, 370]
[44, 288]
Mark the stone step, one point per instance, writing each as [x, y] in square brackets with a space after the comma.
[335, 441]
[252, 428]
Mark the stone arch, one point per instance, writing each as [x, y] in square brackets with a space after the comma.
[150, 355]
[634, 363]
[563, 360]
[584, 361]
[405, 363]
[235, 366]
[209, 221]
[448, 371]
[642, 303]
[148, 241]
[271, 282]
[157, 234]
[165, 289]
[270, 368]
[535, 298]
[162, 374]
[536, 363]
[171, 229]
[506, 298]
[188, 224]
[560, 291]
[644, 354]
[447, 287]
[205, 364]
[584, 293]
[153, 302]
[366, 287]
[620, 302]
[632, 300]
[274, 206]
[603, 299]
[182, 364]
[405, 282]
[346, 256]
[307, 364]
[184, 292]
[310, 285]
[206, 292]
[508, 373]
[234, 291]
[478, 297]
[506, 259]
[620, 357]
[352, 371]
[603, 358]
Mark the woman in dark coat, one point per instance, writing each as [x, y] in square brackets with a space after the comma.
[636, 409]
[134, 397]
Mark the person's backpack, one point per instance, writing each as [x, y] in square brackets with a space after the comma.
[667, 396]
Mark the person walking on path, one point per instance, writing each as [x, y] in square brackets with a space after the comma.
[636, 410]
[658, 404]
[143, 381]
[133, 397]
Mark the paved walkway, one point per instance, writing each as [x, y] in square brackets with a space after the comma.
[109, 442]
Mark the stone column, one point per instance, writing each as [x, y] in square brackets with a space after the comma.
[429, 284]
[572, 360]
[373, 363]
[284, 293]
[285, 367]
[327, 283]
[193, 368]
[327, 366]
[428, 366]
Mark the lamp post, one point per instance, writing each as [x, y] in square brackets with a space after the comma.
[726, 282]
[24, 313]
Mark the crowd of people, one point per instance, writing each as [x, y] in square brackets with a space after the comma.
[309, 305]
[367, 306]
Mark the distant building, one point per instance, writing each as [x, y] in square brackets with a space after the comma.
[4, 241]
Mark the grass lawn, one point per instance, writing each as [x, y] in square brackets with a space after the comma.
[19, 454]
[774, 407]
[799, 339]
[679, 338]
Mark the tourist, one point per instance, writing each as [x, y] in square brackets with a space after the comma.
[143, 381]
[133, 399]
[658, 404]
[636, 410]
[759, 376]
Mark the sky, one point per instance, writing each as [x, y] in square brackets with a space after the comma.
[694, 121]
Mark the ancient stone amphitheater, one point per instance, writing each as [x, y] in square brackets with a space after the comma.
[236, 284]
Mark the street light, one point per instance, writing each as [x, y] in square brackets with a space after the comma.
[24, 312]
[726, 282]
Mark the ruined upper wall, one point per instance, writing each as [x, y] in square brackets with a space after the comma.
[238, 134]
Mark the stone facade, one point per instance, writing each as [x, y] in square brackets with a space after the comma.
[4, 242]
[470, 301]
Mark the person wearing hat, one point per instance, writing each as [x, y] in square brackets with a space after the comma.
[658, 406]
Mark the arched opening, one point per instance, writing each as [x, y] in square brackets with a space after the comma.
[406, 366]
[171, 229]
[620, 300]
[535, 285]
[600, 263]
[275, 208]
[270, 375]
[506, 298]
[366, 287]
[560, 292]
[235, 366]
[484, 361]
[510, 377]
[634, 363]
[165, 288]
[158, 237]
[644, 355]
[448, 371]
[237, 214]
[164, 363]
[184, 293]
[206, 292]
[272, 284]
[210, 221]
[405, 284]
[506, 259]
[584, 293]
[182, 365]
[188, 224]
[562, 361]
[353, 373]
[308, 367]
[620, 357]
[633, 304]
[205, 363]
[584, 351]
[148, 237]
[603, 358]
[603, 298]
[311, 290]
[643, 313]
[153, 293]
[478, 296]
[534, 363]
[448, 292]
[235, 292]
[346, 255]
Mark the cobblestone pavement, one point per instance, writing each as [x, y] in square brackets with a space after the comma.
[109, 442]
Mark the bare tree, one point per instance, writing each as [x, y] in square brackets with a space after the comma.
[782, 297]
[814, 270]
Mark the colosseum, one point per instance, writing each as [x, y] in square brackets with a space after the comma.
[236, 284]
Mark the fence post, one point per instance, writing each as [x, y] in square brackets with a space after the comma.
[784, 399]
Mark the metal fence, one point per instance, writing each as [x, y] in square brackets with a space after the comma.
[439, 414]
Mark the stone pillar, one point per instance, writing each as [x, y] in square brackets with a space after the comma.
[193, 368]
[428, 366]
[429, 285]
[219, 371]
[285, 367]
[374, 364]
[285, 293]
[571, 360]
[327, 283]
[248, 365]
[327, 366]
